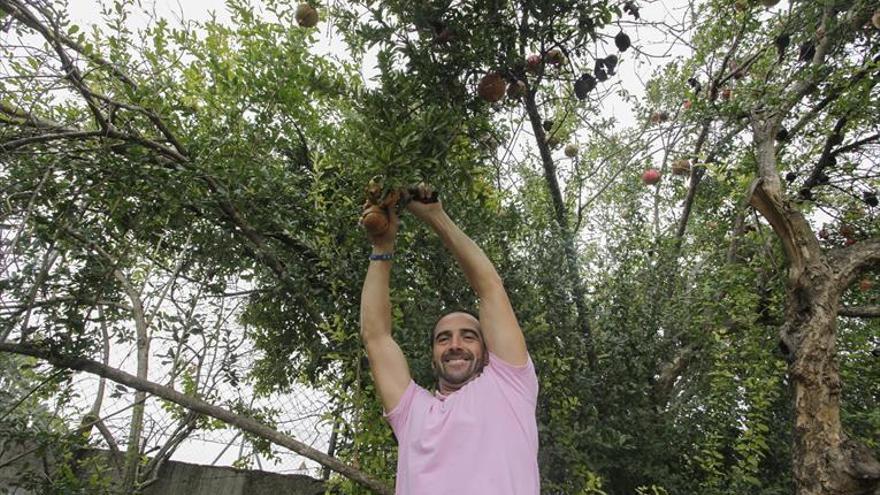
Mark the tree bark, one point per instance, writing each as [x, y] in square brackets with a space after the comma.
[132, 453]
[825, 461]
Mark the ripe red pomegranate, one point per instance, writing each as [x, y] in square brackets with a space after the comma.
[533, 63]
[651, 176]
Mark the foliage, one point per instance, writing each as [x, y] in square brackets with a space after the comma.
[28, 428]
[238, 161]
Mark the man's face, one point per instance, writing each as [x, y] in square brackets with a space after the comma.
[459, 353]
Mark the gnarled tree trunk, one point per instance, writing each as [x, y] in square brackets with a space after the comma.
[825, 461]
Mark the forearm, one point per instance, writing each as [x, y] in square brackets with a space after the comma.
[498, 322]
[477, 268]
[376, 299]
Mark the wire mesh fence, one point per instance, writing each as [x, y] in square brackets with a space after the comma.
[303, 413]
[196, 346]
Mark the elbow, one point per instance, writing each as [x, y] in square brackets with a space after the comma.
[367, 336]
[365, 331]
[372, 330]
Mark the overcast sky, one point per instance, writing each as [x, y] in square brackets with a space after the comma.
[632, 73]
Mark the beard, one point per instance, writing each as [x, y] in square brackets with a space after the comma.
[458, 367]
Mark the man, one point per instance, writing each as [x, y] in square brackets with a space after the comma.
[477, 434]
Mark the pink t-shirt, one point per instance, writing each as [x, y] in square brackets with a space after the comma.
[479, 440]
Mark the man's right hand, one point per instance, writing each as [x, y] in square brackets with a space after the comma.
[424, 203]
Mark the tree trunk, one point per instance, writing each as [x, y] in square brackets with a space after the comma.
[132, 453]
[825, 461]
[575, 283]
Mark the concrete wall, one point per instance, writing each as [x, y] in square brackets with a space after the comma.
[175, 478]
[178, 478]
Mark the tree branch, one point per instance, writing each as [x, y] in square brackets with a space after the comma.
[818, 175]
[247, 424]
[848, 262]
[856, 144]
[73, 74]
[859, 311]
[13, 144]
[833, 94]
[91, 55]
[575, 283]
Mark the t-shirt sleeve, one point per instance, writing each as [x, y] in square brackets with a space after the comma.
[398, 417]
[522, 380]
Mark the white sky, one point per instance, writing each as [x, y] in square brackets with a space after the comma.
[632, 74]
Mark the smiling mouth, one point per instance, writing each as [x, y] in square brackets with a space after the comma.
[457, 361]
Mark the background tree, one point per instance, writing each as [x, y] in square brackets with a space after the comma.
[111, 182]
[778, 98]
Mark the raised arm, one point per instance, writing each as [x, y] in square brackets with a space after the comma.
[502, 332]
[387, 362]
